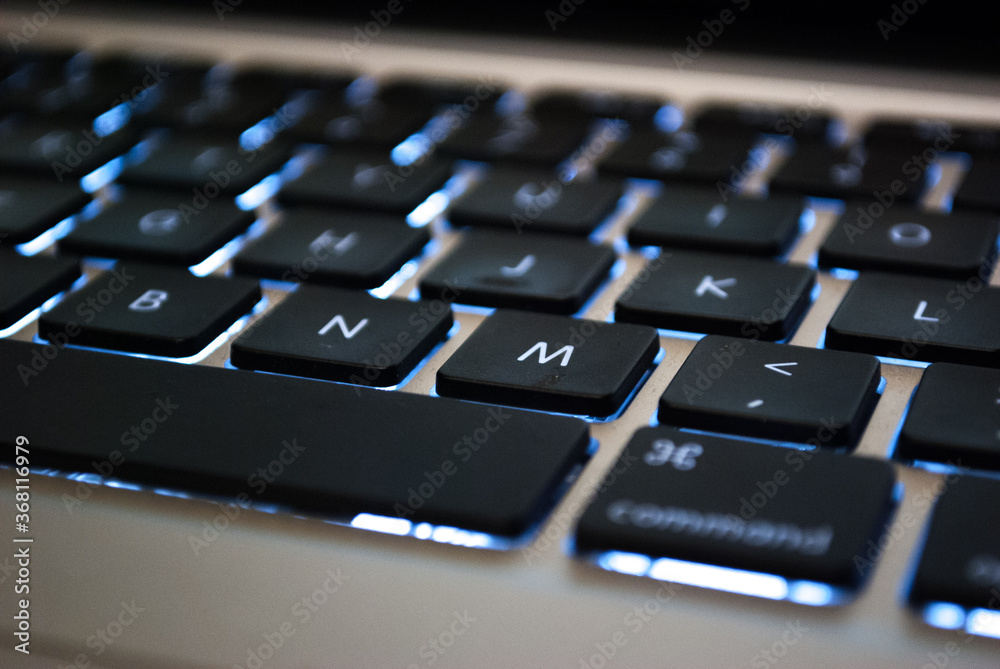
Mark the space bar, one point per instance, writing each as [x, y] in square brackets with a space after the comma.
[321, 448]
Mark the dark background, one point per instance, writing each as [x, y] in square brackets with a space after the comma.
[939, 34]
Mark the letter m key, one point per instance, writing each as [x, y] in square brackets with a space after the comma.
[543, 354]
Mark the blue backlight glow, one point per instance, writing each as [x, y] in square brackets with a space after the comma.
[949, 616]
[625, 563]
[428, 210]
[726, 579]
[668, 118]
[442, 534]
[44, 240]
[811, 593]
[112, 120]
[983, 622]
[103, 175]
[256, 195]
[944, 615]
[398, 526]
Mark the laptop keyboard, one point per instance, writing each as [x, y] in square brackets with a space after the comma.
[173, 210]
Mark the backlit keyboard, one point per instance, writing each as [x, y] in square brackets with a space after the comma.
[419, 307]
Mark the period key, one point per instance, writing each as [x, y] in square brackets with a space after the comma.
[960, 559]
[954, 418]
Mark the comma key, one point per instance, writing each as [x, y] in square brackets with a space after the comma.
[773, 391]
[731, 503]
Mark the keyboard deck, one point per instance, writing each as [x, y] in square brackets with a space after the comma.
[545, 263]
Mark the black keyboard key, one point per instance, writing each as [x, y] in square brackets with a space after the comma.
[718, 294]
[29, 207]
[954, 418]
[59, 151]
[980, 188]
[942, 135]
[914, 318]
[217, 99]
[817, 170]
[520, 138]
[37, 81]
[796, 514]
[191, 161]
[550, 363]
[362, 114]
[99, 88]
[637, 111]
[437, 92]
[176, 86]
[533, 272]
[528, 201]
[366, 179]
[904, 239]
[697, 218]
[180, 228]
[773, 391]
[349, 249]
[150, 309]
[960, 558]
[26, 282]
[342, 335]
[802, 123]
[134, 80]
[333, 119]
[683, 156]
[355, 450]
